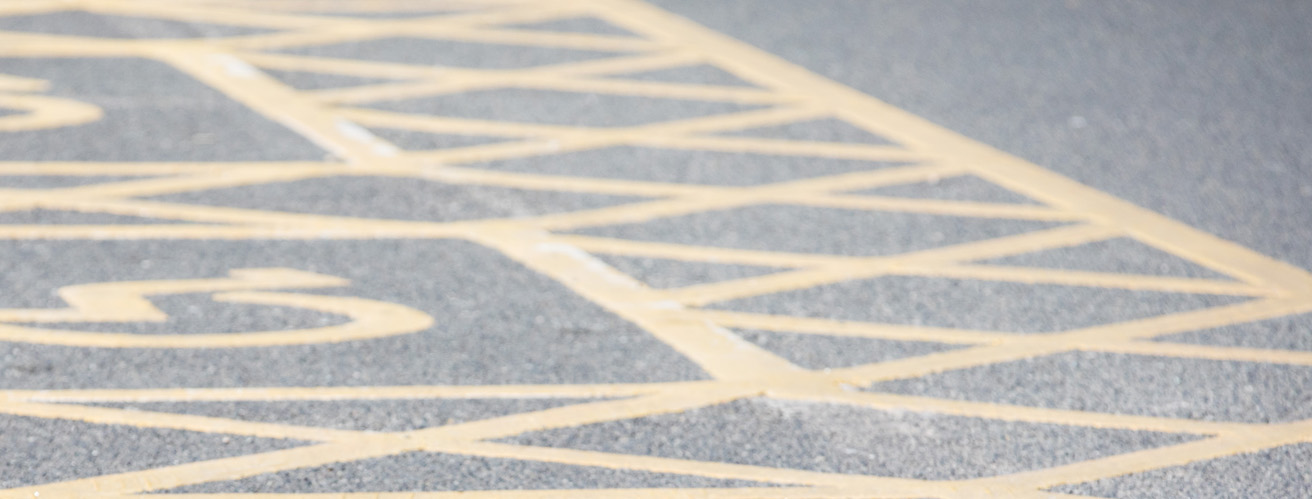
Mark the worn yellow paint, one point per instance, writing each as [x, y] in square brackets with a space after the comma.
[738, 369]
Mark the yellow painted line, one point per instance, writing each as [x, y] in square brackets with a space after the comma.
[315, 7]
[507, 150]
[447, 124]
[625, 247]
[310, 7]
[505, 13]
[660, 90]
[347, 67]
[338, 29]
[226, 215]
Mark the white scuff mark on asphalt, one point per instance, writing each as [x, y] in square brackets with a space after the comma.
[592, 263]
[358, 133]
[236, 67]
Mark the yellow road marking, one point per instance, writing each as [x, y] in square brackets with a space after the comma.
[739, 369]
[127, 302]
[45, 112]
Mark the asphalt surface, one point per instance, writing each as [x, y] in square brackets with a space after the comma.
[500, 246]
[1196, 110]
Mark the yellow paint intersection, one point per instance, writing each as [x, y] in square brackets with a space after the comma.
[739, 368]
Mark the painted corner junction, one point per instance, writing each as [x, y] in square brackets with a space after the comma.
[530, 50]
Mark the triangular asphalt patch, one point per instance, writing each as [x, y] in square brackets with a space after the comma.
[396, 198]
[656, 164]
[39, 450]
[364, 415]
[428, 472]
[1291, 332]
[822, 130]
[364, 11]
[428, 52]
[974, 304]
[411, 140]
[849, 439]
[308, 80]
[1157, 386]
[63, 217]
[583, 24]
[958, 188]
[1275, 473]
[805, 229]
[60, 181]
[701, 74]
[1120, 255]
[816, 351]
[555, 107]
[82, 23]
[663, 273]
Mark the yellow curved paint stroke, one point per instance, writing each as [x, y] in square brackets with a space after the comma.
[126, 302]
[44, 112]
